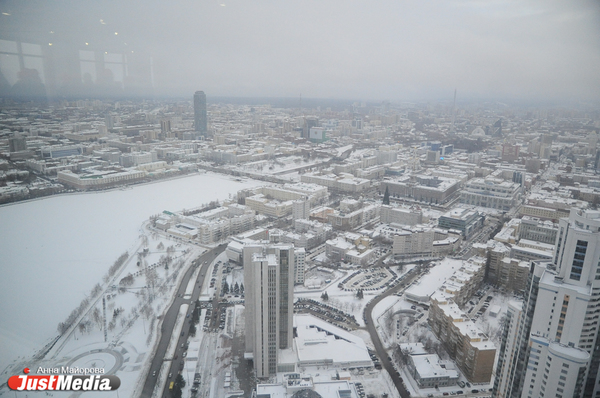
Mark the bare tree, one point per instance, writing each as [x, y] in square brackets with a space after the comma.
[97, 317]
[388, 320]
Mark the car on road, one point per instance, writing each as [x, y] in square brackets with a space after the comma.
[170, 375]
[154, 374]
[182, 333]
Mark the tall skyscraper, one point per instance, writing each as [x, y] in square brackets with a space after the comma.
[550, 345]
[200, 118]
[165, 125]
[269, 291]
[309, 122]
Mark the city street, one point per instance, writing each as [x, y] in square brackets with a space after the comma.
[169, 319]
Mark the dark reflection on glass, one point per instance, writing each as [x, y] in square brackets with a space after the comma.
[4, 85]
[29, 86]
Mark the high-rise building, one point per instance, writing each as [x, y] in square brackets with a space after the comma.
[309, 122]
[109, 122]
[165, 125]
[550, 347]
[301, 209]
[200, 118]
[17, 143]
[269, 291]
[299, 265]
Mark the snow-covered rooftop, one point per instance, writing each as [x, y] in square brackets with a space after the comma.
[319, 340]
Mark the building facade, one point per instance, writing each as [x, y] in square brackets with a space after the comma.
[413, 242]
[472, 350]
[538, 230]
[200, 115]
[492, 192]
[464, 220]
[269, 283]
[558, 352]
[399, 215]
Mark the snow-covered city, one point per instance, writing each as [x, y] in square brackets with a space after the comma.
[299, 199]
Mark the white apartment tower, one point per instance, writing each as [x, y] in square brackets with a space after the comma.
[299, 265]
[552, 349]
[269, 283]
[301, 209]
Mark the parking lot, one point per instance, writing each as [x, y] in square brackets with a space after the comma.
[369, 279]
[327, 313]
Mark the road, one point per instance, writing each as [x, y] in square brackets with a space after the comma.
[381, 352]
[168, 322]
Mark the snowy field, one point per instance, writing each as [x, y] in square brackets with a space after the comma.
[54, 250]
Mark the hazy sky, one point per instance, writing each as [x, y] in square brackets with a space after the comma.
[387, 49]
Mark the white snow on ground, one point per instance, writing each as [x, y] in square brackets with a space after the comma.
[436, 277]
[384, 306]
[131, 312]
[48, 271]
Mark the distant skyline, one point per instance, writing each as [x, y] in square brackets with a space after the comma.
[533, 50]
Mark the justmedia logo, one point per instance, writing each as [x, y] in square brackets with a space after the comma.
[64, 382]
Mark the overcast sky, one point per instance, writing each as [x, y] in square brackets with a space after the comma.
[371, 50]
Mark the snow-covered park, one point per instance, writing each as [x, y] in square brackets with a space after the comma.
[56, 249]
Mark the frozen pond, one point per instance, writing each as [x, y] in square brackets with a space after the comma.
[54, 250]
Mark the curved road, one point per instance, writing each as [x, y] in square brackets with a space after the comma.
[168, 322]
[381, 352]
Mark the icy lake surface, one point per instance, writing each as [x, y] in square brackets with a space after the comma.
[54, 250]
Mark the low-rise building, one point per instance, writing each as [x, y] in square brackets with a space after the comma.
[472, 350]
[342, 183]
[100, 179]
[531, 251]
[465, 281]
[424, 188]
[346, 249]
[400, 215]
[494, 193]
[538, 230]
[269, 207]
[216, 224]
[464, 220]
[346, 221]
[413, 242]
[430, 372]
[545, 213]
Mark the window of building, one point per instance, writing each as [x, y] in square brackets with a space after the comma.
[17, 56]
